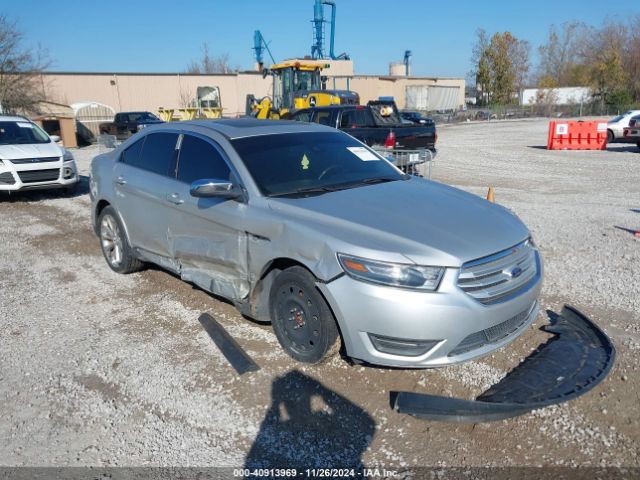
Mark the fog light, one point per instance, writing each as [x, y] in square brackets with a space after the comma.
[401, 346]
[68, 173]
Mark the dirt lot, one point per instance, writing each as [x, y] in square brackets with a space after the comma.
[102, 369]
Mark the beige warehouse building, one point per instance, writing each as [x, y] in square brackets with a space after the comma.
[150, 91]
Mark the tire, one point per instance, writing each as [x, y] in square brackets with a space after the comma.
[301, 318]
[638, 144]
[114, 245]
[610, 137]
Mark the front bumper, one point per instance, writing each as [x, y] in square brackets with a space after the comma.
[447, 316]
[34, 176]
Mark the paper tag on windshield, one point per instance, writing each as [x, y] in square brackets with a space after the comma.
[24, 125]
[363, 154]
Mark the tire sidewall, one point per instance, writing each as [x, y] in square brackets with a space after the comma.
[127, 257]
[328, 327]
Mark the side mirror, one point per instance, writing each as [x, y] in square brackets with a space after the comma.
[210, 187]
[54, 138]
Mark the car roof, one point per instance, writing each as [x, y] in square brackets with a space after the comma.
[13, 118]
[233, 128]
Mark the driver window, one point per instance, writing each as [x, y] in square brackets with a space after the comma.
[200, 160]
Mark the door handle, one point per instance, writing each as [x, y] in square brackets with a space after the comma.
[175, 198]
[120, 180]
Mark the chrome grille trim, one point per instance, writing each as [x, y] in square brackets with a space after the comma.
[490, 279]
[22, 161]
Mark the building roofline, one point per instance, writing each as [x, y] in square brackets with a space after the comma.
[171, 74]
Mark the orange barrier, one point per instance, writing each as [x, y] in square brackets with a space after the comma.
[564, 135]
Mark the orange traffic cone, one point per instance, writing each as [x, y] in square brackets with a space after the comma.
[490, 196]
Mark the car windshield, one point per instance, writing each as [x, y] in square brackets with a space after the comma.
[303, 164]
[21, 132]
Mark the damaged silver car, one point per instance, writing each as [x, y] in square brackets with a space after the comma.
[307, 228]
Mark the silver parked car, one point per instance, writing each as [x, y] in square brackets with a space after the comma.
[304, 226]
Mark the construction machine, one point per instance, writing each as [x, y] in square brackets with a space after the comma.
[297, 84]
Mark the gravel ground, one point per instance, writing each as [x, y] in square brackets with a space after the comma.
[102, 369]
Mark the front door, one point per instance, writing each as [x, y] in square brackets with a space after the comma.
[207, 235]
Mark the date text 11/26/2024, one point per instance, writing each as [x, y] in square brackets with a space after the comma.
[314, 472]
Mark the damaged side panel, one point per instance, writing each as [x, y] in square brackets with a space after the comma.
[207, 240]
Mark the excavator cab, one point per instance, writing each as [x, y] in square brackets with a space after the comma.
[297, 84]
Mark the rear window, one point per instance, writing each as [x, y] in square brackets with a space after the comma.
[155, 153]
[287, 162]
[356, 118]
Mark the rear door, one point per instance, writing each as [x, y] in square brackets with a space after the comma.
[142, 179]
[207, 235]
[359, 123]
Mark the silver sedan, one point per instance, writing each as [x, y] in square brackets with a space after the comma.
[306, 227]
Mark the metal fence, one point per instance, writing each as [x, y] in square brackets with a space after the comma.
[532, 111]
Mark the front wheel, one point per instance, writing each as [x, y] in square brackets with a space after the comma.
[638, 145]
[301, 318]
[115, 248]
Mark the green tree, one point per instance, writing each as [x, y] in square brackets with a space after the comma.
[500, 67]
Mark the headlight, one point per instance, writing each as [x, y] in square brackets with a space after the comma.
[68, 156]
[392, 274]
[141, 126]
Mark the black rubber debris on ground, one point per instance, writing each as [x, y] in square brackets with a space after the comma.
[237, 357]
[566, 366]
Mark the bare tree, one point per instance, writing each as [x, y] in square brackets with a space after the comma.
[560, 56]
[208, 63]
[21, 70]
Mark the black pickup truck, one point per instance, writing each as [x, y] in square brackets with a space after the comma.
[126, 124]
[377, 124]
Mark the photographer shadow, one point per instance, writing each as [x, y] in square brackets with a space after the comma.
[310, 426]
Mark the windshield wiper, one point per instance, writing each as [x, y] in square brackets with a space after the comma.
[303, 191]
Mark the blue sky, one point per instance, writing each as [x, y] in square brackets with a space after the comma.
[164, 35]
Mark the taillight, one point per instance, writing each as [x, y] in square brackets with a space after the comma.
[390, 142]
[435, 139]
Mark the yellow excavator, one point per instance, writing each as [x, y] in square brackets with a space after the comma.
[297, 84]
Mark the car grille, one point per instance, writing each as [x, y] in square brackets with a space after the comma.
[32, 176]
[492, 334]
[34, 160]
[500, 276]
[6, 178]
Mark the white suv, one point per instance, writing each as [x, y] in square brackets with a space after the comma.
[30, 159]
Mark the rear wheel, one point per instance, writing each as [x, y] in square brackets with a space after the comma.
[638, 144]
[301, 318]
[115, 248]
[610, 136]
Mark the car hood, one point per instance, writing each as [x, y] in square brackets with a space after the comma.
[30, 150]
[423, 221]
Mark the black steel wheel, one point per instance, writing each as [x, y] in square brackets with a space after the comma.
[301, 318]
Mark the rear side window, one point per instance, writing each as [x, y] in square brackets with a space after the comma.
[158, 154]
[356, 118]
[200, 160]
[303, 116]
[323, 117]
